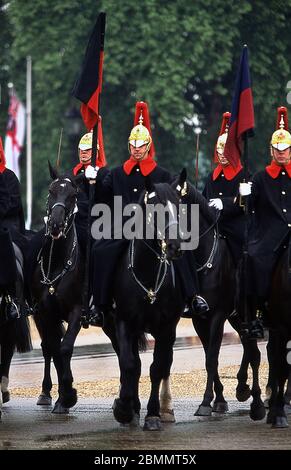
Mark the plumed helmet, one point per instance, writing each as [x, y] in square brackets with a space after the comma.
[223, 134]
[86, 141]
[141, 132]
[281, 138]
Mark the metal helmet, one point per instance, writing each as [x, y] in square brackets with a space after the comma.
[281, 138]
[141, 132]
[223, 134]
[85, 142]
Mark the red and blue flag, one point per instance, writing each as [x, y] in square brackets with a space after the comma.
[242, 121]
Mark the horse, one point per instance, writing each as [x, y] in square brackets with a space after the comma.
[218, 285]
[148, 298]
[14, 332]
[279, 320]
[56, 290]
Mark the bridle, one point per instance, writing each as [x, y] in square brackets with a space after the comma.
[69, 215]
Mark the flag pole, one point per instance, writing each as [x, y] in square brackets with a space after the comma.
[197, 160]
[28, 145]
[86, 292]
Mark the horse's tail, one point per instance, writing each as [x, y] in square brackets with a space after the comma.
[22, 334]
[142, 342]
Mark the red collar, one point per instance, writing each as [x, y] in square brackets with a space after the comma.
[146, 166]
[79, 167]
[2, 167]
[228, 171]
[274, 169]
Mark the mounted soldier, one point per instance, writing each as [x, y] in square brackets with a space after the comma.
[12, 239]
[271, 202]
[221, 190]
[128, 182]
[85, 160]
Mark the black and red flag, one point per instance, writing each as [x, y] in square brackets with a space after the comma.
[89, 83]
[242, 121]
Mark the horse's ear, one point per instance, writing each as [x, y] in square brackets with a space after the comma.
[53, 172]
[149, 186]
[183, 177]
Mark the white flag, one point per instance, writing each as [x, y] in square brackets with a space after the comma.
[14, 134]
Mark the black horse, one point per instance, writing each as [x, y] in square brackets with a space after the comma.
[218, 284]
[280, 323]
[148, 298]
[14, 332]
[57, 290]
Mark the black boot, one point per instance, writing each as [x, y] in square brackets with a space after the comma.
[196, 306]
[96, 317]
[199, 306]
[12, 309]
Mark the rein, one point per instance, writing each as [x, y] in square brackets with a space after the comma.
[163, 266]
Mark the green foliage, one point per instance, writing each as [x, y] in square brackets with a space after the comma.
[181, 57]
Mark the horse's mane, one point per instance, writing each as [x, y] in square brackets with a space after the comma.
[195, 197]
[164, 192]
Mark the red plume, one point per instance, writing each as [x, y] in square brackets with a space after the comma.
[141, 108]
[282, 111]
[2, 158]
[225, 122]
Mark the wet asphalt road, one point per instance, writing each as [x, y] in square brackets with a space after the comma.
[91, 425]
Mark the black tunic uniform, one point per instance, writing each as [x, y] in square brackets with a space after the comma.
[106, 253]
[271, 201]
[12, 226]
[231, 222]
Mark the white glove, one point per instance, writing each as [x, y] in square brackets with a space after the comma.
[217, 203]
[91, 172]
[245, 189]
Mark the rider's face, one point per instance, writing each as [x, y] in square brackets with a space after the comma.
[222, 159]
[85, 156]
[138, 153]
[282, 157]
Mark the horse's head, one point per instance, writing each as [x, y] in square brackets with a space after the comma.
[61, 204]
[161, 206]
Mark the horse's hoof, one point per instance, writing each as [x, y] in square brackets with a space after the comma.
[44, 400]
[257, 412]
[122, 413]
[203, 411]
[243, 394]
[280, 422]
[152, 423]
[220, 407]
[5, 396]
[167, 415]
[134, 423]
[69, 399]
[59, 409]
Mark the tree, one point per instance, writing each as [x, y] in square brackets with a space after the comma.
[180, 57]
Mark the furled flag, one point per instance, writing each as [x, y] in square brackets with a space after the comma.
[89, 83]
[242, 112]
[15, 134]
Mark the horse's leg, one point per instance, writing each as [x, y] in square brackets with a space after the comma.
[45, 396]
[271, 352]
[243, 391]
[69, 394]
[287, 397]
[160, 369]
[123, 407]
[7, 350]
[220, 404]
[212, 352]
[257, 411]
[166, 405]
[277, 416]
[202, 328]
